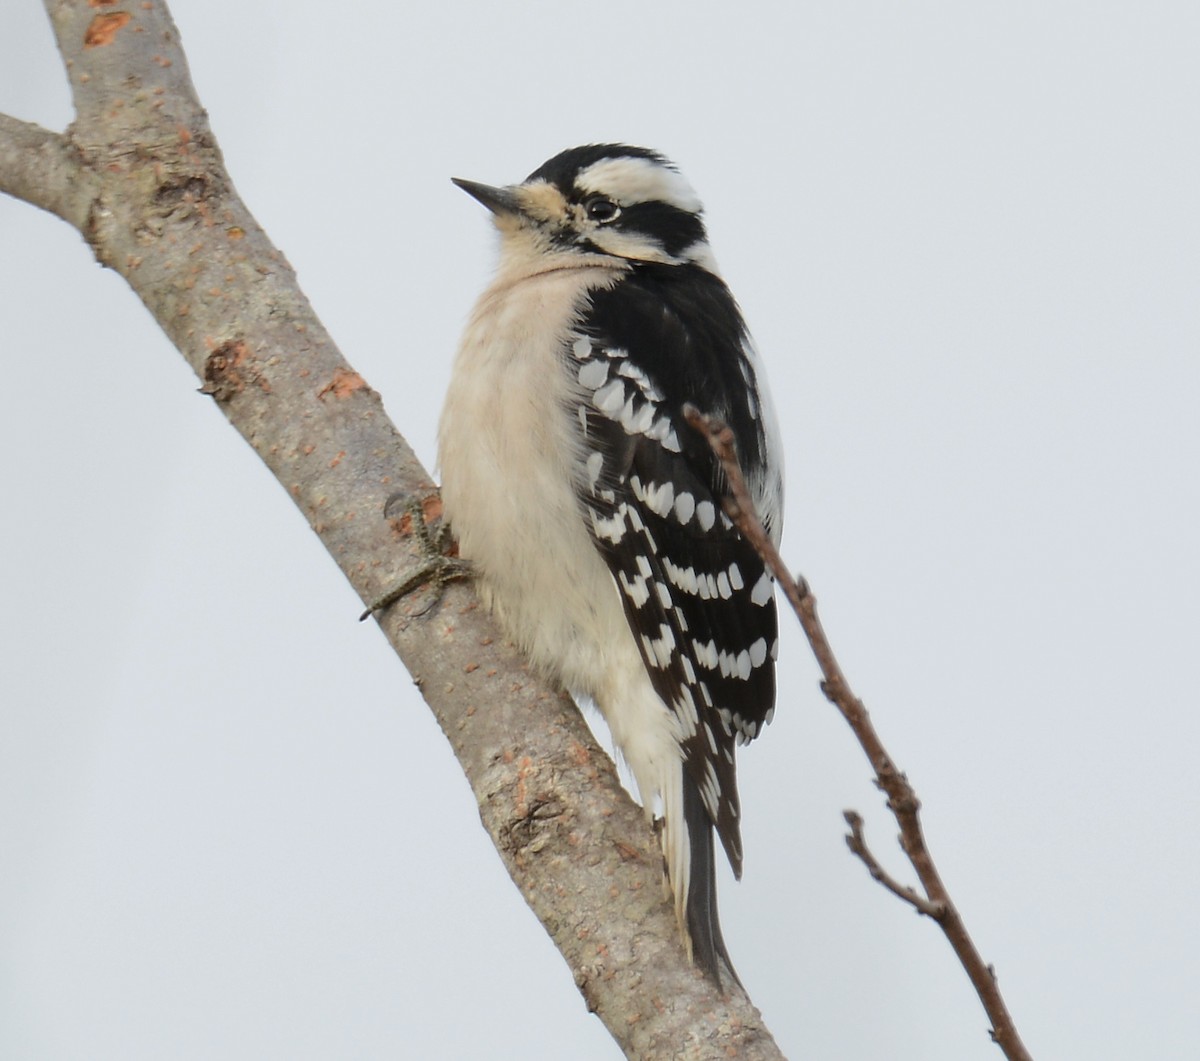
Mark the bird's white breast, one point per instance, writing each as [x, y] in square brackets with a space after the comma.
[509, 456]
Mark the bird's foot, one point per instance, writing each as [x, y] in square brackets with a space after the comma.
[441, 564]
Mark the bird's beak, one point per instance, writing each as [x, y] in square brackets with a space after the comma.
[497, 200]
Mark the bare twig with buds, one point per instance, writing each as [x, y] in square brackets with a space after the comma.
[902, 799]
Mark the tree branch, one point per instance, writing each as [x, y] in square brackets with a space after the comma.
[38, 166]
[857, 842]
[902, 799]
[150, 194]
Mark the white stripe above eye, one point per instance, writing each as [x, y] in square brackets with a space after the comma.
[639, 180]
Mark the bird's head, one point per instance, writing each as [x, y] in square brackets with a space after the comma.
[601, 201]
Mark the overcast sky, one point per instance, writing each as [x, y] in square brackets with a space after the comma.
[967, 238]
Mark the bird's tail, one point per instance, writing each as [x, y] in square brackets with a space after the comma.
[703, 925]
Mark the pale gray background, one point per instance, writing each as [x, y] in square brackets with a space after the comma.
[967, 237]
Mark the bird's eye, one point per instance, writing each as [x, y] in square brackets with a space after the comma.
[600, 209]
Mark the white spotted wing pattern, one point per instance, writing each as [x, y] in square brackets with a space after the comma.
[697, 596]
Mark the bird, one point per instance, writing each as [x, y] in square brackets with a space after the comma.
[591, 513]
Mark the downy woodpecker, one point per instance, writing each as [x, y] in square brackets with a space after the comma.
[591, 512]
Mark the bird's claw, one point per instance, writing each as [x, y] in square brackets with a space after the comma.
[439, 568]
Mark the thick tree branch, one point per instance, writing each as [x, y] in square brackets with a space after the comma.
[140, 175]
[902, 799]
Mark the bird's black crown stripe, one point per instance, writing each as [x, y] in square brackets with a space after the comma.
[564, 167]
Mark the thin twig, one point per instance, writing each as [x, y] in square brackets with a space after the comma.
[902, 799]
[857, 842]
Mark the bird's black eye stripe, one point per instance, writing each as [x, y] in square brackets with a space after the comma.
[675, 229]
[600, 209]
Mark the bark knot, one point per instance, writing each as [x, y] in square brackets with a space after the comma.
[527, 831]
[228, 369]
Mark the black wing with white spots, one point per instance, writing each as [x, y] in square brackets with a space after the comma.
[696, 594]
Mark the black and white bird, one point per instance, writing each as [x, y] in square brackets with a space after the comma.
[591, 512]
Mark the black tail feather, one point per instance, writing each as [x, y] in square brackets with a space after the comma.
[704, 926]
